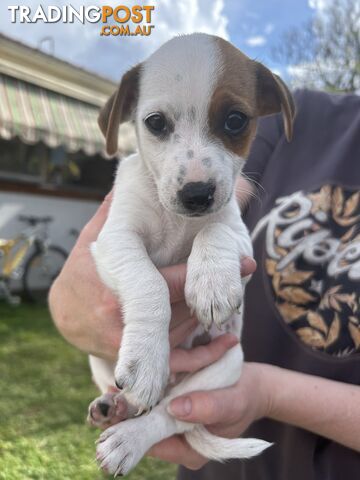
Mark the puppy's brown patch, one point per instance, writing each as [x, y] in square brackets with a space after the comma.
[119, 108]
[248, 87]
[223, 101]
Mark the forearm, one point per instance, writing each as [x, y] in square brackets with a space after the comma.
[326, 407]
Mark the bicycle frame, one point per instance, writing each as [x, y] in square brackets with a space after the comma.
[18, 254]
[14, 251]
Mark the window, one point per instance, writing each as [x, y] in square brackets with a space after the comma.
[21, 161]
[55, 168]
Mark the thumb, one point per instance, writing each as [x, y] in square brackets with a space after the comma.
[92, 229]
[248, 266]
[203, 407]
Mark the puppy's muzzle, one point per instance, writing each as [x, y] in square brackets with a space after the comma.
[197, 197]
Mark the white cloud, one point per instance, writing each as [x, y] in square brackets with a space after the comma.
[111, 56]
[187, 16]
[258, 38]
[256, 41]
[277, 71]
[298, 70]
[269, 28]
[318, 4]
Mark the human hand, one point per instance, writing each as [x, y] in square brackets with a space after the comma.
[88, 315]
[305, 401]
[226, 412]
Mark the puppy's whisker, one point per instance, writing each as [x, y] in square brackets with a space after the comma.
[250, 194]
[253, 181]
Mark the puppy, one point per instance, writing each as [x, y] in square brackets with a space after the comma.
[195, 103]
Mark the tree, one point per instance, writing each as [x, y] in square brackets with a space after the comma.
[325, 52]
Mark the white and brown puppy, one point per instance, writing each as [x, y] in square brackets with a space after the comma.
[195, 103]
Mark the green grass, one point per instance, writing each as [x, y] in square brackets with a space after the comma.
[45, 389]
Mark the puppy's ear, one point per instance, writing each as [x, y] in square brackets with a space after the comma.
[274, 96]
[118, 108]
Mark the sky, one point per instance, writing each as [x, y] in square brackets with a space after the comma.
[254, 26]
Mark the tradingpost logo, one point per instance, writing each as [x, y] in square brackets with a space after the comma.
[121, 20]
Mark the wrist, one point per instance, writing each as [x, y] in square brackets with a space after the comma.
[267, 381]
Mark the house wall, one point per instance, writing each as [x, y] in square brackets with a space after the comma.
[68, 214]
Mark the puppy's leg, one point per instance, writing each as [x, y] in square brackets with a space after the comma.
[102, 373]
[122, 446]
[122, 261]
[214, 288]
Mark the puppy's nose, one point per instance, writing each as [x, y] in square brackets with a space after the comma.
[197, 196]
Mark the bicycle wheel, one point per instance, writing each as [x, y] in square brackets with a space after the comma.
[40, 270]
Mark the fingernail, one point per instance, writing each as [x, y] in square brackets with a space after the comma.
[180, 407]
[232, 339]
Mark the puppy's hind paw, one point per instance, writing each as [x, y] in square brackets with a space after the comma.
[120, 447]
[108, 409]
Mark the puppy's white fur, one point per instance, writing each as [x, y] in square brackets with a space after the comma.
[146, 229]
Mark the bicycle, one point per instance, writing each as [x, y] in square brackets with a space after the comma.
[32, 259]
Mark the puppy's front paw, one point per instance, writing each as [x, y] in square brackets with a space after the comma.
[142, 371]
[213, 289]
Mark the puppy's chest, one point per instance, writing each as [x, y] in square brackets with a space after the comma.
[171, 243]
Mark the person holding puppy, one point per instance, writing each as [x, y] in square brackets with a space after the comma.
[300, 386]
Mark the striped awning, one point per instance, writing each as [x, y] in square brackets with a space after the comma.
[35, 114]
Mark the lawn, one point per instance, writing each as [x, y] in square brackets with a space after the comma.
[45, 388]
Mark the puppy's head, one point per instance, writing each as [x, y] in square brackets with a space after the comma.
[195, 103]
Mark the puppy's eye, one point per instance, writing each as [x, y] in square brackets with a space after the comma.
[156, 123]
[235, 122]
